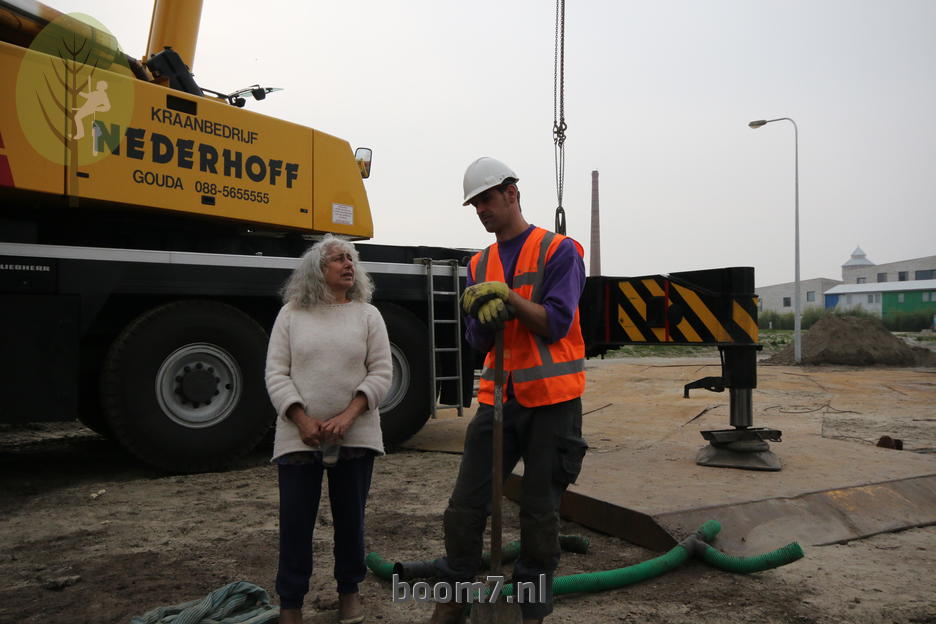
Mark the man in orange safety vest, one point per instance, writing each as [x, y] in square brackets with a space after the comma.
[527, 283]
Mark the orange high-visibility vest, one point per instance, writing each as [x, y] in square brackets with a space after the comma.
[542, 374]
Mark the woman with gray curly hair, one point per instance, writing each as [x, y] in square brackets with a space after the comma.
[328, 367]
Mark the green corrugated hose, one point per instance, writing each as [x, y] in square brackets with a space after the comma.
[381, 568]
[757, 563]
[621, 577]
[612, 579]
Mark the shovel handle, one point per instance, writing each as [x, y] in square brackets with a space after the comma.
[497, 471]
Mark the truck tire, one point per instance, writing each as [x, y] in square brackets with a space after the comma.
[183, 386]
[406, 407]
[90, 411]
[95, 421]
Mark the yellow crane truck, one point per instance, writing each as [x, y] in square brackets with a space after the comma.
[146, 227]
[147, 223]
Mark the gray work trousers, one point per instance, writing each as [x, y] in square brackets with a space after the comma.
[549, 440]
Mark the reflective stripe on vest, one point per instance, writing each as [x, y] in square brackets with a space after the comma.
[482, 266]
[553, 369]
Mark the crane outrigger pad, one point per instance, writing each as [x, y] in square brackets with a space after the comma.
[724, 457]
[745, 448]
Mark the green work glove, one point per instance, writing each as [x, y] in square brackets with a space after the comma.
[477, 295]
[493, 314]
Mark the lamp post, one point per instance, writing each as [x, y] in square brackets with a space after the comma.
[797, 336]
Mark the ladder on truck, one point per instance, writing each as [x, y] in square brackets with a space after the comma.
[451, 290]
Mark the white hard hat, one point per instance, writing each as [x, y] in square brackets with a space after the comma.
[485, 173]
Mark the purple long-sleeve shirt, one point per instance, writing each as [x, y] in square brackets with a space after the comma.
[563, 281]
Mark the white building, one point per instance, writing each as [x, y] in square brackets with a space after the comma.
[858, 263]
[779, 297]
[859, 270]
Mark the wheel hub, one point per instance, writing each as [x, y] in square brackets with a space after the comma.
[199, 385]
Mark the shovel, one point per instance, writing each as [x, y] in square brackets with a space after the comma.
[501, 611]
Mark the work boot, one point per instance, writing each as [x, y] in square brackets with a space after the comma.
[448, 613]
[350, 609]
[290, 616]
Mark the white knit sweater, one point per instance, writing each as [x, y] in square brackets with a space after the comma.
[321, 357]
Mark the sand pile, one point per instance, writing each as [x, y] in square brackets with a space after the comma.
[855, 341]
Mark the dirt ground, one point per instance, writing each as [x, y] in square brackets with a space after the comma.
[87, 534]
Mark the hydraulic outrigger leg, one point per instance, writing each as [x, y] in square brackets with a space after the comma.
[716, 307]
[744, 446]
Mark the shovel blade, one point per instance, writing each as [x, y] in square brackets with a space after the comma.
[500, 612]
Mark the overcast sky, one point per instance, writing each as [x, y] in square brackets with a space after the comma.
[658, 96]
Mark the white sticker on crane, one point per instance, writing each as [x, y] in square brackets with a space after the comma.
[343, 214]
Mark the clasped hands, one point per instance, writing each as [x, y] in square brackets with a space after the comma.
[487, 302]
[315, 432]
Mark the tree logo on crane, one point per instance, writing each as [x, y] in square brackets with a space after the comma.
[96, 101]
[73, 77]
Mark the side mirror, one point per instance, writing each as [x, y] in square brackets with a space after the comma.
[363, 157]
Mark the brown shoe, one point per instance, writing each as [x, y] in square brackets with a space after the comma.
[290, 616]
[448, 613]
[350, 609]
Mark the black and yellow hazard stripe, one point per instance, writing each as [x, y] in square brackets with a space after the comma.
[657, 309]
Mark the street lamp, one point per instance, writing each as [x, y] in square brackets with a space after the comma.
[797, 337]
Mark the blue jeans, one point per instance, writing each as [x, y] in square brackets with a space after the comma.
[300, 487]
[549, 439]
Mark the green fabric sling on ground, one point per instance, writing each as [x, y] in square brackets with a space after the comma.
[236, 603]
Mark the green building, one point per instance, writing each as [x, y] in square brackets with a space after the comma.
[911, 302]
